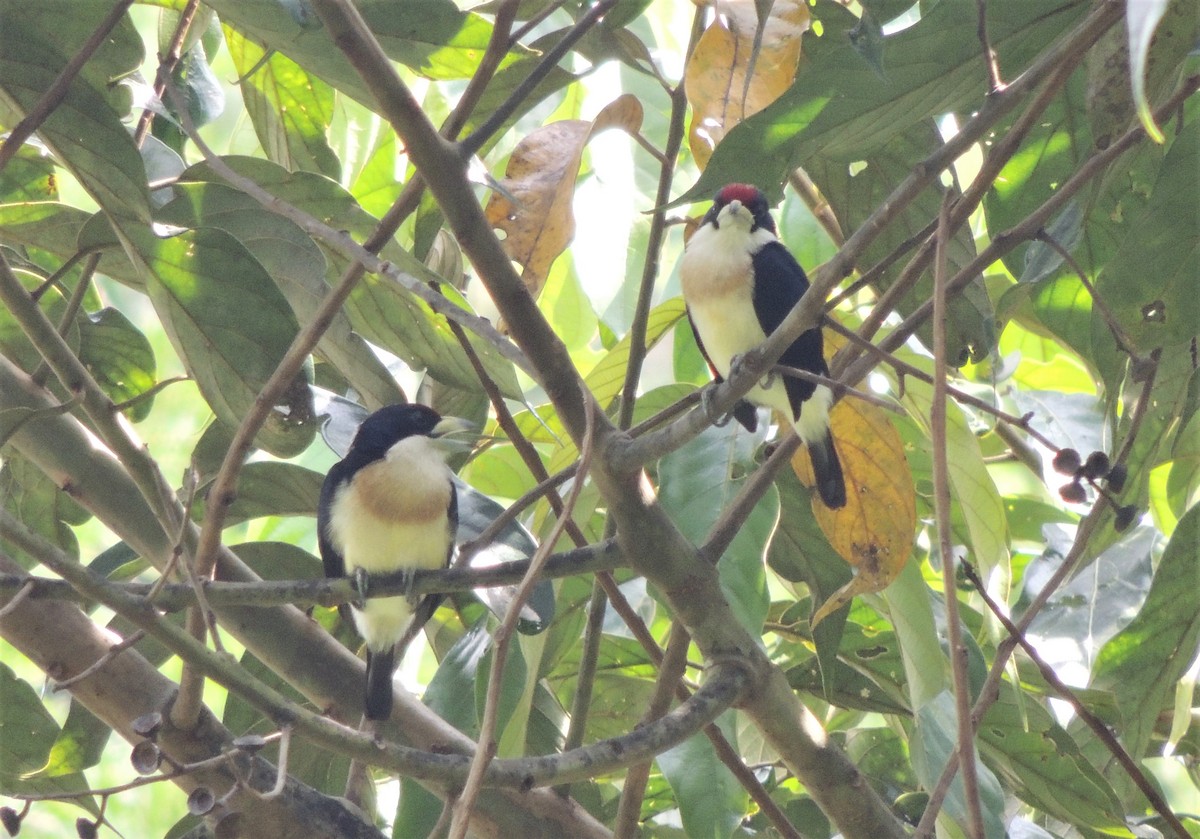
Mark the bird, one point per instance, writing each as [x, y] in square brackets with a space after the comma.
[389, 506]
[739, 283]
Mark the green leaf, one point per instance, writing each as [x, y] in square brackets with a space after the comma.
[801, 553]
[855, 193]
[380, 310]
[1037, 757]
[279, 561]
[839, 108]
[289, 108]
[79, 745]
[607, 377]
[298, 268]
[979, 509]
[911, 612]
[29, 176]
[1052, 150]
[1155, 268]
[1140, 21]
[119, 357]
[229, 324]
[512, 689]
[1142, 663]
[451, 691]
[36, 501]
[270, 488]
[696, 483]
[1097, 603]
[711, 801]
[27, 734]
[932, 743]
[431, 37]
[84, 131]
[307, 762]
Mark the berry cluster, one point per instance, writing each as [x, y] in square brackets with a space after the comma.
[1096, 468]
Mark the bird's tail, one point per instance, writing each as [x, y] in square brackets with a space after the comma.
[378, 702]
[831, 483]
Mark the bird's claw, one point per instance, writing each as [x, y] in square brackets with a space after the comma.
[738, 362]
[718, 421]
[411, 596]
[361, 583]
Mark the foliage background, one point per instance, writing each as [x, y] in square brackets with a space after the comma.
[858, 96]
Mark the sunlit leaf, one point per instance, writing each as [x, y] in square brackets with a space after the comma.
[874, 531]
[715, 77]
[1142, 663]
[534, 209]
[290, 108]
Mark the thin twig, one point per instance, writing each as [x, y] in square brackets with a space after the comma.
[817, 204]
[166, 66]
[176, 771]
[942, 513]
[120, 407]
[329, 592]
[74, 304]
[654, 241]
[1097, 725]
[1121, 337]
[990, 689]
[995, 83]
[23, 592]
[472, 143]
[840, 389]
[281, 766]
[500, 643]
[113, 651]
[1006, 240]
[966, 203]
[735, 514]
[54, 95]
[961, 396]
[221, 492]
[585, 680]
[633, 786]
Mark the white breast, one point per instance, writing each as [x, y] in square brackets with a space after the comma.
[392, 516]
[716, 279]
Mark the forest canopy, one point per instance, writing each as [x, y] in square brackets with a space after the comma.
[231, 230]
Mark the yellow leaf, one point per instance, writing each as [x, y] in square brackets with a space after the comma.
[540, 179]
[715, 77]
[874, 531]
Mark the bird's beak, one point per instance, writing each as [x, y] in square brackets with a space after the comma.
[733, 209]
[455, 434]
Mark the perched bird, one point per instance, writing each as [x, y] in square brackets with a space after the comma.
[739, 283]
[389, 506]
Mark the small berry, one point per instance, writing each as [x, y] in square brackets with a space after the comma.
[1096, 466]
[1125, 517]
[1116, 478]
[1067, 461]
[85, 828]
[11, 820]
[1073, 493]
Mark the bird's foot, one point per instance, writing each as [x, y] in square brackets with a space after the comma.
[706, 396]
[361, 584]
[738, 363]
[408, 578]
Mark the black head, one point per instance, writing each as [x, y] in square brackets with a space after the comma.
[750, 197]
[388, 426]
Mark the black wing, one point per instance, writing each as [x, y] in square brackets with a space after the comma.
[452, 520]
[744, 412]
[331, 557]
[779, 284]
